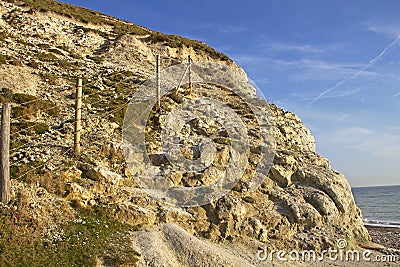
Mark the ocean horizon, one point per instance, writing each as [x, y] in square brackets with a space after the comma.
[380, 205]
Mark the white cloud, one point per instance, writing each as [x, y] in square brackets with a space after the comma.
[277, 47]
[384, 144]
[306, 69]
[392, 30]
[232, 29]
[252, 58]
[292, 47]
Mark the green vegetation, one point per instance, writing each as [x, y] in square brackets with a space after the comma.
[85, 15]
[30, 105]
[28, 127]
[5, 95]
[53, 182]
[120, 27]
[18, 171]
[16, 143]
[115, 108]
[101, 33]
[23, 42]
[43, 45]
[23, 98]
[33, 64]
[45, 56]
[41, 128]
[112, 102]
[117, 112]
[94, 234]
[6, 59]
[97, 59]
[49, 78]
[176, 41]
[222, 140]
[66, 64]
[3, 35]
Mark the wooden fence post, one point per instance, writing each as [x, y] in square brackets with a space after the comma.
[78, 117]
[158, 80]
[190, 73]
[5, 154]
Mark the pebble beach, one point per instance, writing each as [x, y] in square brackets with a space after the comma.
[388, 237]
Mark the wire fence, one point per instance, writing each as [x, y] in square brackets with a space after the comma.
[36, 122]
[20, 135]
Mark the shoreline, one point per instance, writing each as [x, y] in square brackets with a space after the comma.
[386, 236]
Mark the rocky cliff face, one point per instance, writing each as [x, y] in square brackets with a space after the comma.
[302, 203]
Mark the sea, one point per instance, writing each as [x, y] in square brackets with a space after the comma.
[380, 205]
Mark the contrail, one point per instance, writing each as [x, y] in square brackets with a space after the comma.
[341, 118]
[369, 64]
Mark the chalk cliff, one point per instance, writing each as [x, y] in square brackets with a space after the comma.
[301, 204]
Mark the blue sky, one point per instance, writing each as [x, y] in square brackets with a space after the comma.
[334, 63]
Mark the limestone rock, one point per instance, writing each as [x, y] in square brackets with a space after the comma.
[134, 215]
[79, 195]
[72, 174]
[281, 175]
[19, 78]
[104, 175]
[291, 133]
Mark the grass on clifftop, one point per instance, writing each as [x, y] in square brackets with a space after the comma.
[176, 41]
[121, 27]
[85, 15]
